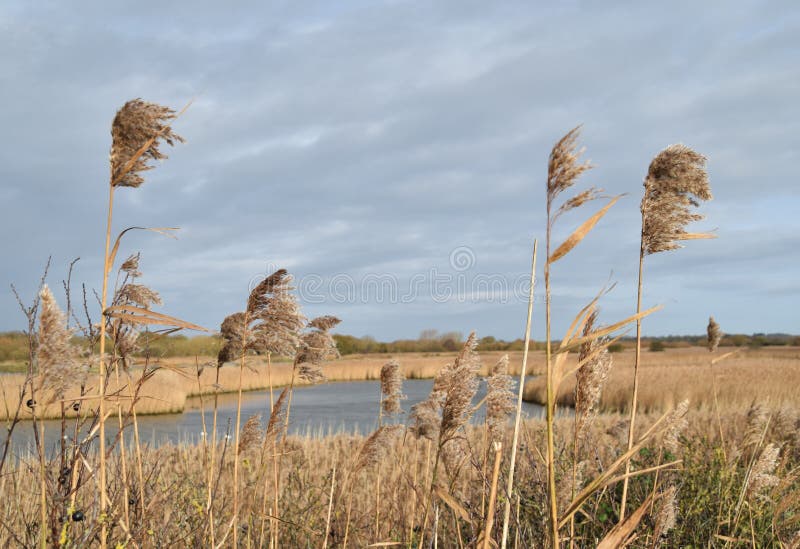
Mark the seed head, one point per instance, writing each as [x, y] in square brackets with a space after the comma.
[392, 387]
[276, 314]
[56, 357]
[563, 168]
[139, 124]
[251, 434]
[590, 378]
[714, 334]
[675, 182]
[499, 399]
[316, 346]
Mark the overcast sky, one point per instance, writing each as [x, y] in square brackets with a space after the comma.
[392, 155]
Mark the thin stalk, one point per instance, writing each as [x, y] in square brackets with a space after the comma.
[716, 408]
[102, 374]
[209, 503]
[551, 466]
[517, 418]
[236, 441]
[635, 396]
[125, 495]
[330, 508]
[429, 500]
[498, 452]
[42, 479]
[265, 470]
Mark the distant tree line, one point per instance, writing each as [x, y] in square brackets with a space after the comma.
[13, 345]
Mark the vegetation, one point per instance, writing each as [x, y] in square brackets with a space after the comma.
[590, 480]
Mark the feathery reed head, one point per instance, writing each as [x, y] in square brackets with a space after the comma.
[675, 182]
[714, 334]
[675, 426]
[260, 296]
[136, 124]
[251, 434]
[590, 378]
[316, 346]
[666, 517]
[377, 446]
[391, 387]
[277, 418]
[762, 477]
[499, 399]
[57, 358]
[234, 336]
[563, 168]
[137, 294]
[131, 266]
[425, 418]
[277, 315]
[453, 390]
[461, 383]
[757, 420]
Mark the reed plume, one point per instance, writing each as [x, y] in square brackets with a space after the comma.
[139, 124]
[137, 294]
[57, 358]
[762, 476]
[251, 434]
[278, 318]
[714, 334]
[499, 399]
[590, 379]
[391, 388]
[377, 446]
[676, 424]
[316, 346]
[131, 266]
[666, 517]
[564, 168]
[275, 426]
[447, 408]
[676, 181]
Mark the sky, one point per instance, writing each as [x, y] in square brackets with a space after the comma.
[393, 156]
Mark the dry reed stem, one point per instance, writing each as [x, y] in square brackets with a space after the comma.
[520, 389]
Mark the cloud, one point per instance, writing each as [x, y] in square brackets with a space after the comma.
[377, 137]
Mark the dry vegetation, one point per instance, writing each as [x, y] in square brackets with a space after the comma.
[387, 493]
[768, 375]
[722, 474]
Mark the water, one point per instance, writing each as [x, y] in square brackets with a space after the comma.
[319, 410]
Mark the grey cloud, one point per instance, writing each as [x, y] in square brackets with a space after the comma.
[374, 138]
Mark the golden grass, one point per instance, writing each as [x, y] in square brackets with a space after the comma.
[176, 380]
[768, 375]
[174, 517]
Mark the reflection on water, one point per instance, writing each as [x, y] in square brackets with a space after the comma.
[316, 411]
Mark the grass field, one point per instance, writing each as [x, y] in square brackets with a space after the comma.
[767, 375]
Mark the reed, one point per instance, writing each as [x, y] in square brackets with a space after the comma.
[676, 180]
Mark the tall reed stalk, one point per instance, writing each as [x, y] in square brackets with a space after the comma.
[137, 132]
[520, 389]
[676, 180]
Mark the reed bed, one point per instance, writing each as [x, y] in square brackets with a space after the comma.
[314, 468]
[769, 376]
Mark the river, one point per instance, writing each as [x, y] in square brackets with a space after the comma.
[319, 410]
